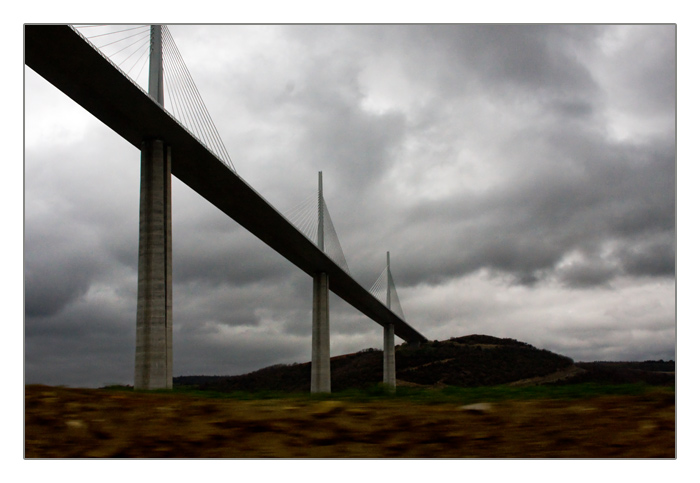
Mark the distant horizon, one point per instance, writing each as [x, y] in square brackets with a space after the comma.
[379, 350]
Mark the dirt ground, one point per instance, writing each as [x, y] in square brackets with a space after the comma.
[86, 423]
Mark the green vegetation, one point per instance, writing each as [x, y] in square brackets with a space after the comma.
[446, 395]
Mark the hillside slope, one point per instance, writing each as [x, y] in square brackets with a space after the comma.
[474, 360]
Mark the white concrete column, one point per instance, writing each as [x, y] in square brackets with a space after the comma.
[320, 336]
[153, 369]
[389, 358]
[389, 348]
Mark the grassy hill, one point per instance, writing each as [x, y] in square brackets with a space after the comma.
[469, 361]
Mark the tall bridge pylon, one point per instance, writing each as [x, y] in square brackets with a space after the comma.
[313, 219]
[154, 313]
[320, 314]
[389, 347]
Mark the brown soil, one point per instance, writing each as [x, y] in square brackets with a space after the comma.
[84, 423]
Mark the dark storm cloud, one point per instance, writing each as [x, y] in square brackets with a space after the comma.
[651, 256]
[357, 144]
[325, 98]
[525, 62]
[645, 61]
[530, 59]
[62, 259]
[233, 257]
[49, 287]
[590, 271]
[239, 304]
[625, 196]
[75, 233]
[87, 343]
[580, 190]
[229, 355]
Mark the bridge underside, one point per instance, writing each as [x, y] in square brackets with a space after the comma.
[71, 64]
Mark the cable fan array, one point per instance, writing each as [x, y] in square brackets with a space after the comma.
[128, 48]
[305, 216]
[379, 290]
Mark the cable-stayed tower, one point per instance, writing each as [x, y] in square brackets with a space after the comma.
[154, 318]
[320, 323]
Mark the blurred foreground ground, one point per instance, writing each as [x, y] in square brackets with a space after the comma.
[84, 423]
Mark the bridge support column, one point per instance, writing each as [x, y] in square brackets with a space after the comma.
[389, 349]
[389, 358]
[154, 330]
[320, 336]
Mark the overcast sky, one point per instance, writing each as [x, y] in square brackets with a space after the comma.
[522, 177]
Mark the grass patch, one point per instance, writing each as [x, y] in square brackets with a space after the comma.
[447, 395]
[468, 395]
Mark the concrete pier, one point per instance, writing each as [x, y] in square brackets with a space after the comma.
[389, 348]
[154, 331]
[389, 358]
[320, 337]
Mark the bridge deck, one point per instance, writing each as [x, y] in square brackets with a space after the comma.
[71, 64]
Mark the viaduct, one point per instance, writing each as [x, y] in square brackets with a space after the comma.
[68, 61]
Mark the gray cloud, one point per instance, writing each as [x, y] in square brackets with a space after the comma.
[653, 256]
[51, 287]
